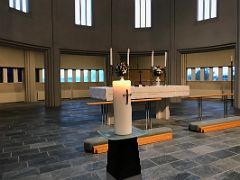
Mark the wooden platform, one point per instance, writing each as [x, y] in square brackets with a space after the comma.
[215, 124]
[98, 145]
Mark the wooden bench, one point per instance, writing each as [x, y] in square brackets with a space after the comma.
[99, 144]
[207, 96]
[215, 124]
[104, 108]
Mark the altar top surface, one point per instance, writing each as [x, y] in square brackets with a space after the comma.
[109, 134]
[162, 91]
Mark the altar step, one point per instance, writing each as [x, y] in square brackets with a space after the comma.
[215, 124]
[99, 144]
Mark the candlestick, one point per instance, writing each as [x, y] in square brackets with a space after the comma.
[166, 59]
[128, 53]
[111, 59]
[122, 107]
[152, 59]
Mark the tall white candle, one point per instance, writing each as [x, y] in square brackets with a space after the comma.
[152, 62]
[111, 59]
[122, 110]
[128, 54]
[165, 64]
[231, 58]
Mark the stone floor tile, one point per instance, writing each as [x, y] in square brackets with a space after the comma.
[229, 175]
[88, 176]
[147, 164]
[184, 154]
[222, 154]
[163, 159]
[205, 171]
[205, 159]
[53, 166]
[201, 150]
[183, 165]
[226, 164]
[235, 149]
[20, 174]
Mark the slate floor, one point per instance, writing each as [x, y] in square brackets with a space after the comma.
[44, 144]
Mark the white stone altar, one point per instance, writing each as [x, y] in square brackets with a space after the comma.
[162, 91]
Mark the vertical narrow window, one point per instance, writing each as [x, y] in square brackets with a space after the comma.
[137, 14]
[206, 9]
[43, 75]
[225, 73]
[197, 73]
[1, 75]
[233, 73]
[200, 10]
[78, 75]
[89, 13]
[143, 11]
[85, 75]
[206, 73]
[37, 75]
[213, 8]
[11, 3]
[62, 75]
[101, 75]
[215, 73]
[70, 77]
[10, 75]
[189, 74]
[20, 5]
[93, 76]
[83, 12]
[20, 74]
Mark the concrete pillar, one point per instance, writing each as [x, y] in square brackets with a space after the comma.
[40, 74]
[15, 75]
[97, 75]
[65, 75]
[220, 73]
[5, 76]
[229, 73]
[74, 75]
[89, 75]
[52, 84]
[201, 74]
[30, 84]
[210, 73]
[193, 74]
[81, 75]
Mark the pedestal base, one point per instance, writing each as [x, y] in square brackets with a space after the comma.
[123, 158]
[162, 109]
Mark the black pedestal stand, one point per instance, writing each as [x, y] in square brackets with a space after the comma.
[123, 158]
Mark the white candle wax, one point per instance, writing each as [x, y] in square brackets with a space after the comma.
[231, 58]
[122, 110]
[111, 60]
[152, 63]
[165, 59]
[128, 54]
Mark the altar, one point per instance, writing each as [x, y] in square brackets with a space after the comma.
[164, 92]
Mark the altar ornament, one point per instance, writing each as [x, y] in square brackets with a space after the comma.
[111, 57]
[157, 72]
[122, 107]
[121, 69]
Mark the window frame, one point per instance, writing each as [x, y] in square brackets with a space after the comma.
[80, 25]
[140, 17]
[211, 19]
[13, 9]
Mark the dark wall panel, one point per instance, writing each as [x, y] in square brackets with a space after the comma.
[71, 36]
[190, 33]
[126, 36]
[32, 28]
